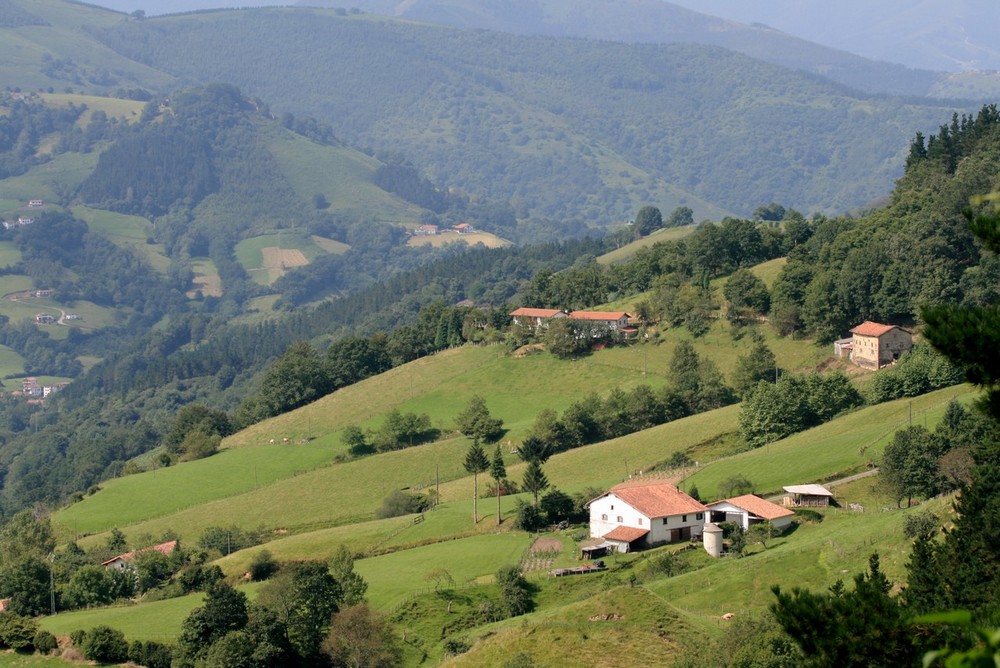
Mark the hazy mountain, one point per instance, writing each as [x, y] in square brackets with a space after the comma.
[952, 36]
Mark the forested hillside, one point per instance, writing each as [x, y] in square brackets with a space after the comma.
[560, 128]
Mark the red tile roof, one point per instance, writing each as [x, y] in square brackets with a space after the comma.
[163, 548]
[598, 315]
[536, 312]
[656, 499]
[758, 506]
[869, 328]
[625, 534]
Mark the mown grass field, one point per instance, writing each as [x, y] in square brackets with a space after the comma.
[838, 448]
[160, 620]
[126, 232]
[331, 246]
[13, 660]
[438, 240]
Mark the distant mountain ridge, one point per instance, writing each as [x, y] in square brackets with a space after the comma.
[658, 22]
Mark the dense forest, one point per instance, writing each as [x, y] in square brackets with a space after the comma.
[566, 129]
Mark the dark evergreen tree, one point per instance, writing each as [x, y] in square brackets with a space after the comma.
[475, 463]
[499, 473]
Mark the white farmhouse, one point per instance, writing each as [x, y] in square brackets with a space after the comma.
[643, 513]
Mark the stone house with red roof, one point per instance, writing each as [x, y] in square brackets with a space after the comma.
[641, 513]
[749, 509]
[874, 345]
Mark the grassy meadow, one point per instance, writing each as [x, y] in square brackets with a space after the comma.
[267, 258]
[10, 363]
[126, 110]
[206, 278]
[125, 231]
[626, 252]
[343, 176]
[9, 254]
[842, 447]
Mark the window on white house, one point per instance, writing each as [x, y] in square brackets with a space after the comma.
[640, 521]
[620, 520]
[699, 516]
[684, 518]
[604, 516]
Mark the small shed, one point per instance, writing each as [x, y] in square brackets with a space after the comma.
[807, 496]
[622, 539]
[842, 348]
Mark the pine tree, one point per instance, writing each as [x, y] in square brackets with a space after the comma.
[475, 463]
[535, 480]
[498, 472]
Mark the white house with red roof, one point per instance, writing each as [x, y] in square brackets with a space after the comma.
[874, 345]
[749, 509]
[123, 560]
[613, 320]
[536, 317]
[641, 513]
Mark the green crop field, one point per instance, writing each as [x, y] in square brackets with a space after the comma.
[331, 246]
[841, 447]
[266, 258]
[9, 254]
[9, 206]
[125, 231]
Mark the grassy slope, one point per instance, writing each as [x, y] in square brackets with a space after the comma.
[340, 174]
[126, 110]
[438, 240]
[22, 48]
[839, 448]
[64, 173]
[9, 254]
[439, 386]
[126, 232]
[624, 253]
[10, 363]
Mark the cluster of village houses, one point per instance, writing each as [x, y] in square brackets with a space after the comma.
[646, 512]
[434, 230]
[35, 392]
[22, 220]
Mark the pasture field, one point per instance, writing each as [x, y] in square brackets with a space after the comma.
[438, 240]
[125, 232]
[15, 660]
[266, 258]
[341, 175]
[159, 620]
[331, 246]
[92, 316]
[206, 278]
[768, 271]
[625, 253]
[63, 173]
[10, 363]
[393, 577]
[9, 254]
[9, 206]
[126, 110]
[124, 501]
[838, 448]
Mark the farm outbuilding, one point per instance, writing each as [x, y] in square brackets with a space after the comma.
[747, 510]
[807, 496]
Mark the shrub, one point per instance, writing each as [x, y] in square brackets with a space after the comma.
[105, 645]
[921, 523]
[454, 646]
[400, 503]
[78, 637]
[44, 641]
[528, 517]
[262, 566]
[17, 631]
